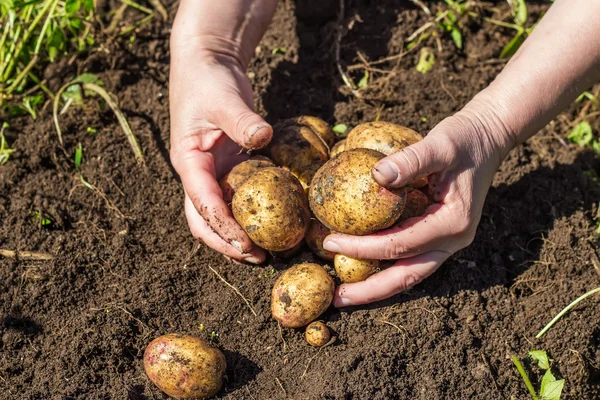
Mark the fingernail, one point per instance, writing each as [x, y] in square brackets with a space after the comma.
[386, 172]
[253, 260]
[342, 302]
[332, 246]
[237, 245]
[260, 132]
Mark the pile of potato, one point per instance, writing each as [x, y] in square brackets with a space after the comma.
[302, 187]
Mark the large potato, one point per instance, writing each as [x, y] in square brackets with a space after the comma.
[337, 148]
[240, 174]
[185, 367]
[319, 126]
[298, 148]
[385, 137]
[345, 197]
[352, 270]
[272, 208]
[317, 232]
[416, 205]
[301, 294]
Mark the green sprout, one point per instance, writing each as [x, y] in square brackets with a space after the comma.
[364, 81]
[426, 60]
[340, 129]
[582, 134]
[39, 219]
[550, 388]
[5, 151]
[278, 50]
[268, 274]
[213, 337]
[78, 157]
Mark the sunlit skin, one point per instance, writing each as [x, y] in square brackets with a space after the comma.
[212, 119]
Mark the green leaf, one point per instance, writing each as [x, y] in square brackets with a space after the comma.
[426, 60]
[91, 130]
[423, 119]
[278, 50]
[30, 102]
[541, 357]
[587, 95]
[596, 146]
[457, 37]
[519, 11]
[582, 134]
[551, 388]
[364, 81]
[72, 6]
[340, 128]
[512, 46]
[89, 78]
[88, 5]
[78, 156]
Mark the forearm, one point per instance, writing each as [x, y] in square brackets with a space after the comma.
[230, 28]
[559, 60]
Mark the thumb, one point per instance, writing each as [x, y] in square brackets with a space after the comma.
[243, 125]
[412, 163]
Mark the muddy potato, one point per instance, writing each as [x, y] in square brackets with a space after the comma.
[301, 294]
[299, 149]
[319, 126]
[240, 174]
[385, 137]
[416, 204]
[317, 232]
[317, 334]
[345, 197]
[272, 208]
[184, 367]
[337, 148]
[352, 270]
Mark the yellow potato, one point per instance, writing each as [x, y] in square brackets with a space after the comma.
[317, 232]
[317, 334]
[416, 205]
[240, 174]
[385, 137]
[301, 294]
[299, 149]
[185, 367]
[352, 270]
[337, 148]
[272, 208]
[345, 197]
[319, 126]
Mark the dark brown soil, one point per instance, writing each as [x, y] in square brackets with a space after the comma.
[126, 269]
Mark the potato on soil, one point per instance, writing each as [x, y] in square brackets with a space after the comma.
[272, 208]
[337, 148]
[317, 334]
[352, 270]
[317, 232]
[240, 174]
[345, 197]
[299, 149]
[319, 126]
[416, 204]
[185, 367]
[301, 294]
[385, 137]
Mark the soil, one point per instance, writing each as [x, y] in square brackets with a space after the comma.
[127, 270]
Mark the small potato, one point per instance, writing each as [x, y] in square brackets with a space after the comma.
[317, 232]
[299, 149]
[272, 208]
[345, 197]
[385, 137]
[352, 270]
[240, 174]
[185, 367]
[317, 334]
[416, 205]
[319, 126]
[301, 294]
[337, 148]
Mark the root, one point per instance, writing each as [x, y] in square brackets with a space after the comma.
[282, 388]
[234, 289]
[331, 341]
[26, 255]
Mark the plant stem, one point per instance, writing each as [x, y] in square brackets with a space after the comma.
[521, 370]
[137, 6]
[565, 310]
[503, 24]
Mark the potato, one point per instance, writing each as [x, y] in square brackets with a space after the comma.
[345, 197]
[385, 137]
[337, 148]
[352, 270]
[301, 294]
[319, 126]
[416, 205]
[317, 334]
[299, 149]
[185, 367]
[272, 208]
[240, 174]
[317, 232]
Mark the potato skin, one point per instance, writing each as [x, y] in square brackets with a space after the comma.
[319, 126]
[317, 334]
[239, 174]
[301, 294]
[272, 208]
[416, 205]
[185, 367]
[317, 232]
[345, 197]
[352, 270]
[337, 148]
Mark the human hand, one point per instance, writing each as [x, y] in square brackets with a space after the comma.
[460, 156]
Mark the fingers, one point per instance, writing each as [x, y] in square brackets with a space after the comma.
[202, 231]
[414, 162]
[402, 275]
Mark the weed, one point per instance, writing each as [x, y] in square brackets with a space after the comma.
[550, 388]
[39, 219]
